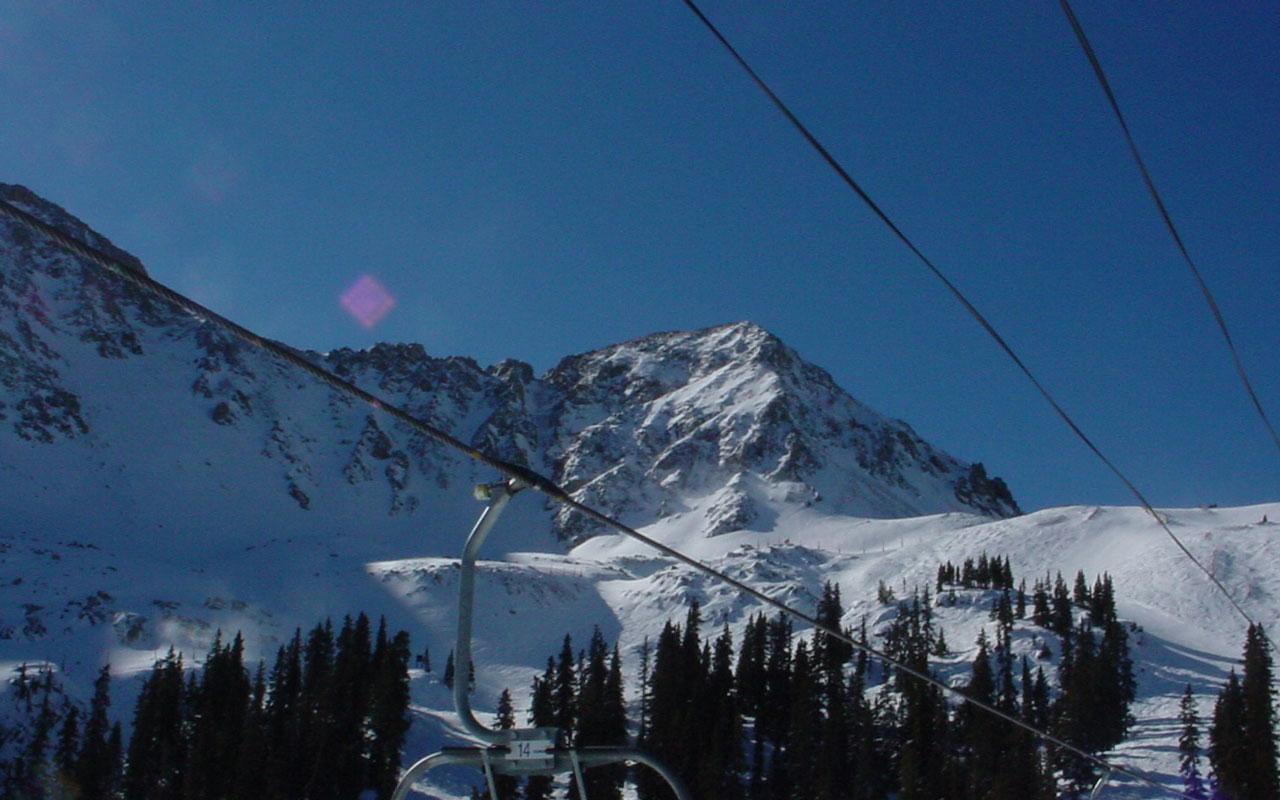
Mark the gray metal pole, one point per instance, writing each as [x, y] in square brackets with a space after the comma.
[466, 601]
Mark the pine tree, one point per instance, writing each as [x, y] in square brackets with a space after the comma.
[749, 682]
[315, 707]
[156, 762]
[774, 709]
[1259, 722]
[1228, 748]
[345, 769]
[94, 768]
[388, 712]
[722, 762]
[1040, 613]
[283, 720]
[802, 748]
[35, 766]
[594, 721]
[646, 687]
[1062, 617]
[64, 757]
[1077, 715]
[976, 729]
[251, 763]
[115, 757]
[221, 703]
[1080, 592]
[506, 785]
[564, 690]
[1189, 748]
[541, 714]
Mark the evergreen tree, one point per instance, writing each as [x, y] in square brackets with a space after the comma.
[115, 757]
[596, 720]
[94, 768]
[1228, 749]
[1189, 748]
[221, 703]
[976, 730]
[64, 757]
[506, 785]
[564, 690]
[1076, 714]
[315, 707]
[541, 714]
[345, 769]
[388, 713]
[1080, 592]
[749, 680]
[283, 722]
[722, 761]
[157, 749]
[251, 763]
[646, 686]
[774, 711]
[1259, 722]
[1040, 613]
[1062, 617]
[35, 765]
[802, 747]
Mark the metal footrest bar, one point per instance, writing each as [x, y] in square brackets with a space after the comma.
[492, 761]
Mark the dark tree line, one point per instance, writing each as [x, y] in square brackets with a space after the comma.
[775, 716]
[64, 755]
[326, 723]
[782, 717]
[984, 573]
[792, 718]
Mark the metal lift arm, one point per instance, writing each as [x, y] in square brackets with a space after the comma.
[500, 756]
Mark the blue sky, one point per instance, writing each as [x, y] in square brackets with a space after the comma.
[534, 180]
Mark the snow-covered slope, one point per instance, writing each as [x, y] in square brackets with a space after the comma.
[159, 481]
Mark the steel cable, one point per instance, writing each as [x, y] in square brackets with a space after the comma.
[1168, 220]
[962, 299]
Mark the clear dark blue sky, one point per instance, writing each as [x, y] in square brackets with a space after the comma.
[533, 180]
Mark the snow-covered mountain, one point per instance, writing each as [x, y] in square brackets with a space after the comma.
[159, 481]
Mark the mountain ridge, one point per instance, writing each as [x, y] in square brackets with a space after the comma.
[670, 413]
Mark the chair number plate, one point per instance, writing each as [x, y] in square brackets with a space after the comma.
[530, 749]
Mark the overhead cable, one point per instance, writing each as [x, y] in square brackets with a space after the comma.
[1168, 220]
[536, 481]
[963, 300]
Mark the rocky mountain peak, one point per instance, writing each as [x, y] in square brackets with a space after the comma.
[724, 427]
[60, 218]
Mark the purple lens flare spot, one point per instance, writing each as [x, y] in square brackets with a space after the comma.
[367, 301]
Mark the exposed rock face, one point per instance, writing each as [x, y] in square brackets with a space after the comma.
[726, 422]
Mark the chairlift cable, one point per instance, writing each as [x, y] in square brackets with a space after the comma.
[962, 298]
[1168, 220]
